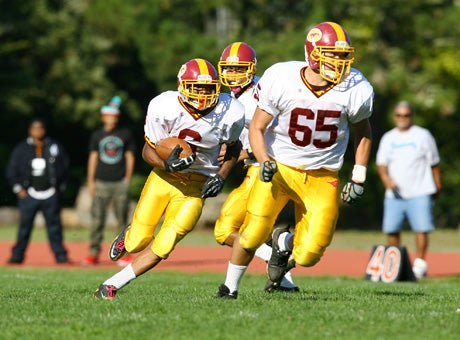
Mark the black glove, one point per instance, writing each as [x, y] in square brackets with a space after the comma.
[267, 170]
[352, 192]
[173, 163]
[212, 186]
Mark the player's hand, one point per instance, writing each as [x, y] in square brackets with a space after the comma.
[174, 163]
[212, 186]
[352, 192]
[267, 170]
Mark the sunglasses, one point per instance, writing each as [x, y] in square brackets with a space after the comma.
[399, 115]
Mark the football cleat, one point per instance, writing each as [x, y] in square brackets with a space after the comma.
[278, 262]
[117, 249]
[105, 292]
[271, 287]
[224, 293]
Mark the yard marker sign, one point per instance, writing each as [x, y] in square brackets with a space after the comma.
[389, 264]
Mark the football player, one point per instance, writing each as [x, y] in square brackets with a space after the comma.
[176, 187]
[314, 104]
[237, 70]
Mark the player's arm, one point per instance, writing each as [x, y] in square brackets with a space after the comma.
[91, 172]
[257, 129]
[214, 184]
[354, 189]
[150, 156]
[363, 143]
[232, 152]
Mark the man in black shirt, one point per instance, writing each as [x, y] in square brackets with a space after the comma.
[37, 172]
[110, 168]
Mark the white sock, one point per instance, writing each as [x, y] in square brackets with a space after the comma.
[264, 252]
[283, 241]
[287, 281]
[122, 278]
[234, 275]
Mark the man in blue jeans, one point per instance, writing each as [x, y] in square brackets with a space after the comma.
[408, 165]
[37, 172]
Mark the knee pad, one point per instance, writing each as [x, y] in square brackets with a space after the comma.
[306, 259]
[166, 240]
[255, 232]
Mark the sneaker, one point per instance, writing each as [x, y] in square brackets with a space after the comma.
[62, 259]
[224, 293]
[278, 263]
[117, 249]
[125, 260]
[90, 260]
[106, 292]
[15, 260]
[419, 268]
[271, 287]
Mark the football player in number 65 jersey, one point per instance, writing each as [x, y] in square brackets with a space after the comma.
[299, 135]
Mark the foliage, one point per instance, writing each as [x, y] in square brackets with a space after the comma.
[64, 59]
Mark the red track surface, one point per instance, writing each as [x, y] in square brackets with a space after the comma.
[214, 259]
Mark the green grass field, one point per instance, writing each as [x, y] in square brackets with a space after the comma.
[58, 304]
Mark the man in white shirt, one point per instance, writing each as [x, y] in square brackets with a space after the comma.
[408, 165]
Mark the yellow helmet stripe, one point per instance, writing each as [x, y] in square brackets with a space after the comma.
[202, 66]
[234, 49]
[338, 31]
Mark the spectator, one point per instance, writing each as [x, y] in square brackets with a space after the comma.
[408, 165]
[37, 171]
[110, 168]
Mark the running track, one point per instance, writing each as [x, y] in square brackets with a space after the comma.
[215, 258]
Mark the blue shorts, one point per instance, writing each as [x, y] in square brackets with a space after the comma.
[417, 211]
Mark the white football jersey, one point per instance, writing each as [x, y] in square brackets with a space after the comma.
[250, 104]
[167, 117]
[308, 131]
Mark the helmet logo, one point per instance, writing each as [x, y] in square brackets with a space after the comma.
[314, 35]
[182, 71]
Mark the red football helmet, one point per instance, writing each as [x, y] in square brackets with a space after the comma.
[328, 49]
[237, 65]
[199, 84]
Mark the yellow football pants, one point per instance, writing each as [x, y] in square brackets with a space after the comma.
[315, 194]
[233, 211]
[175, 196]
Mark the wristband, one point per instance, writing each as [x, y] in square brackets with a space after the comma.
[359, 174]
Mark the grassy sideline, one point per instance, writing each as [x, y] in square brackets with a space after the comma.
[57, 304]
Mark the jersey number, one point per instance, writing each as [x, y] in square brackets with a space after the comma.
[297, 130]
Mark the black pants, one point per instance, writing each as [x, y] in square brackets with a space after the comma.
[50, 208]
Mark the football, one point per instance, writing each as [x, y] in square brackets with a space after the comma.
[166, 145]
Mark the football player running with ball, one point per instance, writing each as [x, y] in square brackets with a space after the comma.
[177, 187]
[237, 70]
[299, 135]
